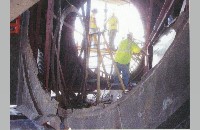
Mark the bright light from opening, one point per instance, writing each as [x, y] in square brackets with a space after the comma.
[129, 21]
[128, 16]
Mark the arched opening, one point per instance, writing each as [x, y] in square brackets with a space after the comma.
[163, 83]
[128, 22]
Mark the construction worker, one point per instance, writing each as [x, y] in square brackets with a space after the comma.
[93, 27]
[113, 28]
[123, 57]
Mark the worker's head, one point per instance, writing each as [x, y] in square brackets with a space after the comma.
[94, 11]
[130, 35]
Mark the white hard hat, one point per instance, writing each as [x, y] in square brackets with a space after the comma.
[130, 34]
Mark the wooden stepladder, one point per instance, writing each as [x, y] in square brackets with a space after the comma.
[100, 61]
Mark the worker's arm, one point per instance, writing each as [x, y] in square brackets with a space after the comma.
[137, 50]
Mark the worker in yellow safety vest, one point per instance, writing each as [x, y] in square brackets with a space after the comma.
[123, 56]
[113, 27]
[93, 27]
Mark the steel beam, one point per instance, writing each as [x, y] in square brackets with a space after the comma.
[157, 27]
[49, 27]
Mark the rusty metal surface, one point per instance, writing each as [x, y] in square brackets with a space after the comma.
[30, 65]
[24, 124]
[160, 93]
[14, 61]
[160, 20]
[157, 28]
[49, 28]
[179, 119]
[62, 85]
[35, 102]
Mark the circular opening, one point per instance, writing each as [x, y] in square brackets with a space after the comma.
[129, 21]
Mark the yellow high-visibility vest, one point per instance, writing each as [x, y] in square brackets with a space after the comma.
[125, 50]
[93, 22]
[112, 23]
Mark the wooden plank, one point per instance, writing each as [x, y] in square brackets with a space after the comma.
[115, 66]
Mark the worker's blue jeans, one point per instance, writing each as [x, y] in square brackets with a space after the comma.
[124, 70]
